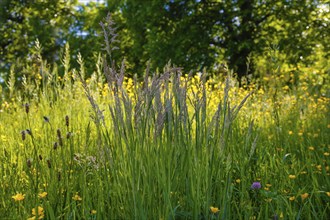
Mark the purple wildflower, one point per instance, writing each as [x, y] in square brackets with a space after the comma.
[256, 185]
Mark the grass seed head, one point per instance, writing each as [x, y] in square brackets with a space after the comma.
[46, 119]
[29, 131]
[49, 164]
[23, 133]
[55, 145]
[59, 175]
[68, 135]
[59, 136]
[67, 121]
[27, 108]
[29, 162]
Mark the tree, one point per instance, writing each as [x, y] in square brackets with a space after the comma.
[196, 34]
[24, 21]
[193, 34]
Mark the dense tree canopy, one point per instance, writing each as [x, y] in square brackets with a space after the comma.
[193, 34]
[198, 34]
[24, 21]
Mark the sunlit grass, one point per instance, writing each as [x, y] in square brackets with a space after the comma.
[173, 146]
[169, 146]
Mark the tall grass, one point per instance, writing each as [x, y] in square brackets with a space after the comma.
[169, 146]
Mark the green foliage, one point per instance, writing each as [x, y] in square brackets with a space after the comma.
[22, 22]
[202, 34]
[192, 34]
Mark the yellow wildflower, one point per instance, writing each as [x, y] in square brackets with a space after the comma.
[18, 197]
[76, 197]
[326, 153]
[304, 196]
[40, 211]
[93, 212]
[269, 200]
[214, 209]
[292, 198]
[311, 148]
[292, 177]
[42, 195]
[238, 181]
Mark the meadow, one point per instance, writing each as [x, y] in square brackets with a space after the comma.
[172, 145]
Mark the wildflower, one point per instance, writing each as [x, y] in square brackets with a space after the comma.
[238, 181]
[214, 210]
[269, 200]
[292, 177]
[40, 213]
[276, 217]
[326, 154]
[76, 197]
[311, 148]
[93, 212]
[328, 194]
[18, 197]
[290, 132]
[304, 196]
[256, 185]
[42, 195]
[292, 198]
